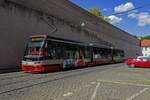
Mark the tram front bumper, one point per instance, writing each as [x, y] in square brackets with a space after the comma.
[33, 68]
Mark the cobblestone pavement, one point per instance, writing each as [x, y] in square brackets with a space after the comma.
[107, 82]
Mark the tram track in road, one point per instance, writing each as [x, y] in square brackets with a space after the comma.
[55, 77]
[18, 75]
[34, 77]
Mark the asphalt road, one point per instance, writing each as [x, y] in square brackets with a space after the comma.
[107, 82]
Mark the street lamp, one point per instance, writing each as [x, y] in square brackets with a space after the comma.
[82, 24]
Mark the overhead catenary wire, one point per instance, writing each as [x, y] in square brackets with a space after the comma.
[140, 7]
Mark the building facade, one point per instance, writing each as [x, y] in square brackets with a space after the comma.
[145, 46]
[60, 18]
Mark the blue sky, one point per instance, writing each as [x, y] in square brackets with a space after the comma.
[136, 22]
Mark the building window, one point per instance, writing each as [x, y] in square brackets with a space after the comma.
[145, 48]
[142, 48]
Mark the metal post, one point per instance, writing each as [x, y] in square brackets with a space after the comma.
[112, 54]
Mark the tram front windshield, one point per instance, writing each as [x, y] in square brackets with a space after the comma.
[34, 51]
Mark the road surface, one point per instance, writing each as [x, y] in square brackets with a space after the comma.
[106, 82]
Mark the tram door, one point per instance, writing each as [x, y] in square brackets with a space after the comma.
[69, 59]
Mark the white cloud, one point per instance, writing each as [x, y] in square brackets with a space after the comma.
[132, 15]
[124, 7]
[114, 19]
[143, 18]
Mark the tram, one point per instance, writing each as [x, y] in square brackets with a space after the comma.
[45, 53]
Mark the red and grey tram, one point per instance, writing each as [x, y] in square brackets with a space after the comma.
[45, 53]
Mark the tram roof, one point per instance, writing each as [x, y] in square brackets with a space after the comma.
[57, 39]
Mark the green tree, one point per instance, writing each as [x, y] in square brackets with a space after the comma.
[106, 18]
[146, 37]
[97, 12]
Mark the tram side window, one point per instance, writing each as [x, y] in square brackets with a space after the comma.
[105, 53]
[79, 52]
[97, 54]
[122, 53]
[54, 49]
[118, 53]
[87, 53]
[69, 51]
[115, 53]
[74, 51]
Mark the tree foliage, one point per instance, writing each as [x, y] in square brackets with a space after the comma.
[98, 12]
[146, 37]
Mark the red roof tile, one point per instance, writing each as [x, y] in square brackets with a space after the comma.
[145, 43]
